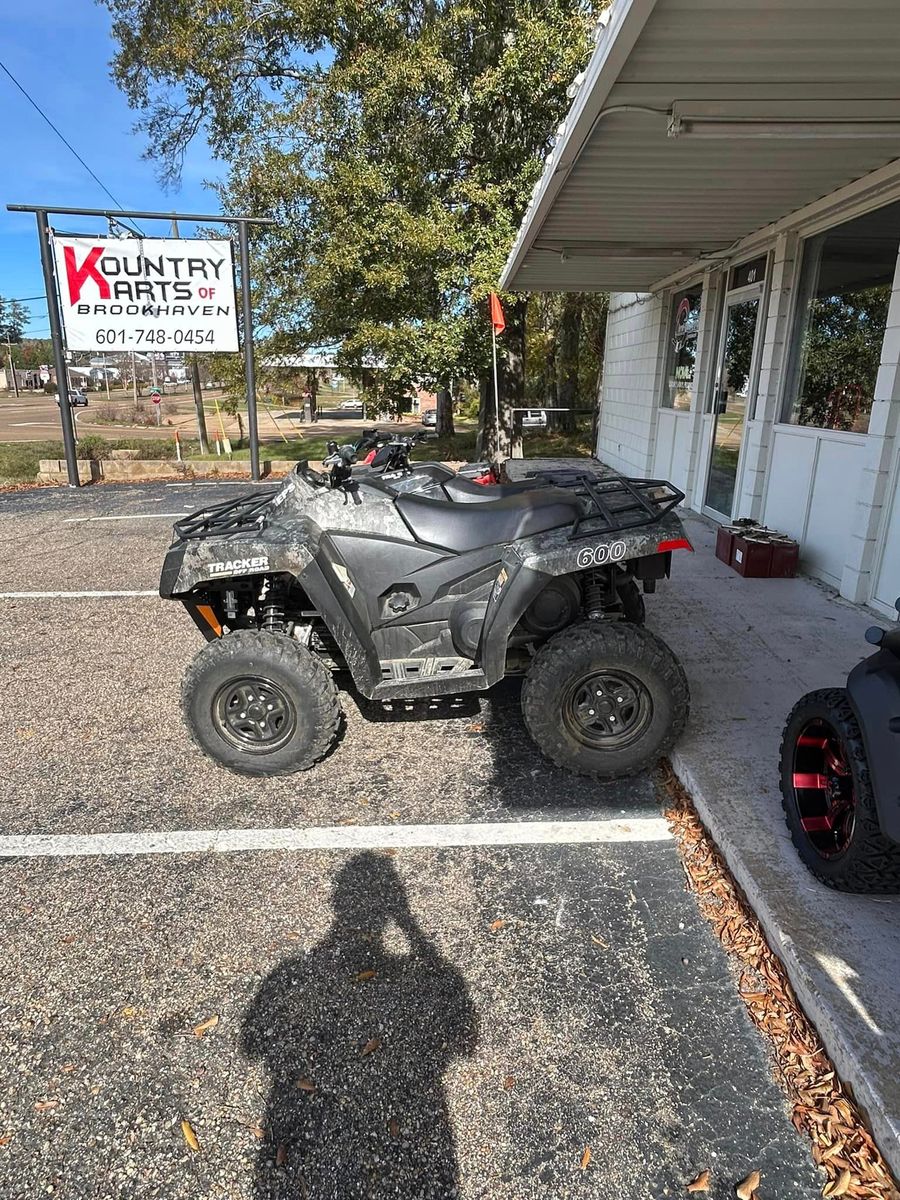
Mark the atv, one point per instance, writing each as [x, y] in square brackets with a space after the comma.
[421, 595]
[840, 774]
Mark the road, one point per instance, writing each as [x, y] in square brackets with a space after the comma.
[432, 967]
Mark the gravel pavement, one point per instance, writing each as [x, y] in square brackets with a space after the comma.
[404, 1022]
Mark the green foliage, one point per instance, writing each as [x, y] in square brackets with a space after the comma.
[395, 143]
[13, 319]
[841, 356]
[31, 353]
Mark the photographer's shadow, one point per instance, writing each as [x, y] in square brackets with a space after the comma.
[356, 1036]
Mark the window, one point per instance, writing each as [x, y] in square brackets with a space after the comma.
[845, 287]
[682, 352]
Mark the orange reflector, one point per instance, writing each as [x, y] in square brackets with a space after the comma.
[675, 544]
[206, 612]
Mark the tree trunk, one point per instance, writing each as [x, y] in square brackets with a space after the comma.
[569, 337]
[512, 379]
[485, 415]
[511, 388]
[444, 414]
[198, 406]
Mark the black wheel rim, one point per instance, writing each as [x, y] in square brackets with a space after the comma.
[254, 715]
[822, 788]
[607, 710]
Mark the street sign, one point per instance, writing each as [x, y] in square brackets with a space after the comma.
[146, 294]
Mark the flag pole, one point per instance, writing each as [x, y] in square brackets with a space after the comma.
[496, 393]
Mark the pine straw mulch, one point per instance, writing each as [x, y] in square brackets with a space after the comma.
[822, 1106]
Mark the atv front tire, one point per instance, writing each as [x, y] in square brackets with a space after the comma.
[605, 698]
[260, 704]
[828, 800]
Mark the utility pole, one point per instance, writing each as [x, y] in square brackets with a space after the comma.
[12, 368]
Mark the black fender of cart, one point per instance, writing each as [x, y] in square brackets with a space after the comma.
[874, 690]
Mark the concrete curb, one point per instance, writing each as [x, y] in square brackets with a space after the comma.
[53, 470]
[843, 1052]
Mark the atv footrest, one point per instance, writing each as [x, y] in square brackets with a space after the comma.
[402, 670]
[423, 677]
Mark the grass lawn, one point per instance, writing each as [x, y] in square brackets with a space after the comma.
[19, 460]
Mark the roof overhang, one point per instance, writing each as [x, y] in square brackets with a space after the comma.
[698, 122]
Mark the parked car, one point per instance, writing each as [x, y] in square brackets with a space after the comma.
[840, 762]
[77, 398]
[429, 417]
[356, 404]
[534, 418]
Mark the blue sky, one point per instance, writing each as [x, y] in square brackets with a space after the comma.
[59, 51]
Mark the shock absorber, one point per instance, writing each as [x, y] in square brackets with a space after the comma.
[595, 589]
[272, 610]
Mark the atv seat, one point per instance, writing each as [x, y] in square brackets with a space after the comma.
[464, 491]
[462, 527]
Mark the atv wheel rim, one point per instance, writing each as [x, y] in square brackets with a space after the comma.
[608, 710]
[822, 787]
[255, 715]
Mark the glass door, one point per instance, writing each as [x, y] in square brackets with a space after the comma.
[732, 395]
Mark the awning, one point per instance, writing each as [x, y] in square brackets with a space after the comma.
[698, 122]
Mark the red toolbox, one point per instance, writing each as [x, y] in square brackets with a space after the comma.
[725, 544]
[760, 553]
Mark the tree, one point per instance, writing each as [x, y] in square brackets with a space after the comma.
[31, 353]
[14, 317]
[840, 357]
[396, 142]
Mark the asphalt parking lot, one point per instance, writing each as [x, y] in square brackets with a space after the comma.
[434, 966]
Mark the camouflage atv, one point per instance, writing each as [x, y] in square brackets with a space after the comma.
[426, 587]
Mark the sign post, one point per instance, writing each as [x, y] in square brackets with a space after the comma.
[144, 294]
[59, 357]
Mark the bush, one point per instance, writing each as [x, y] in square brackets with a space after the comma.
[92, 447]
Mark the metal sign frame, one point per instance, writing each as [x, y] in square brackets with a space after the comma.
[42, 212]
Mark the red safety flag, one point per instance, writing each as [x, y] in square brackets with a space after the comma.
[497, 318]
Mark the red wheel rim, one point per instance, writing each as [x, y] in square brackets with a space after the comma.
[822, 787]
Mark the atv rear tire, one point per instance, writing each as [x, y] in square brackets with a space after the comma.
[834, 821]
[260, 704]
[605, 698]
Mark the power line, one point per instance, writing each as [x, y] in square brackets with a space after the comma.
[37, 108]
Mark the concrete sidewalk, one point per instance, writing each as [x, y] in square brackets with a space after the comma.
[751, 648]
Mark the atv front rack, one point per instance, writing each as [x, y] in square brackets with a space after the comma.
[612, 503]
[244, 515]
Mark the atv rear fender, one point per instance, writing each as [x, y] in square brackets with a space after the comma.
[874, 690]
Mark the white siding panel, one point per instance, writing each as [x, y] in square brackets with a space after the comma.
[887, 588]
[790, 477]
[630, 383]
[664, 450]
[835, 489]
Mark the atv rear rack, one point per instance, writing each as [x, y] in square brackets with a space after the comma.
[613, 502]
[244, 515]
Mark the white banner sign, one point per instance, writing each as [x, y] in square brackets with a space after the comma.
[146, 294]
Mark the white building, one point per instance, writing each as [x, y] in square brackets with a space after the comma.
[730, 172]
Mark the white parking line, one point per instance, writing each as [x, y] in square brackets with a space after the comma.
[340, 837]
[129, 517]
[71, 595]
